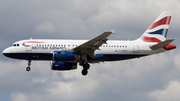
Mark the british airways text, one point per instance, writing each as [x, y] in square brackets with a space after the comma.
[47, 48]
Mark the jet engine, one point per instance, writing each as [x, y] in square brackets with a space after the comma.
[63, 65]
[65, 56]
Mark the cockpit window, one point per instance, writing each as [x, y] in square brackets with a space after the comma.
[15, 45]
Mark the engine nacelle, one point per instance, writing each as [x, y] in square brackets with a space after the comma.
[63, 65]
[65, 56]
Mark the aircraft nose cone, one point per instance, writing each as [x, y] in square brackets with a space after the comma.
[5, 52]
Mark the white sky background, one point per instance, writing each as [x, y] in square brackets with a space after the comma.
[149, 78]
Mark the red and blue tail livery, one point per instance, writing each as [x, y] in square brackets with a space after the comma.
[158, 30]
[67, 54]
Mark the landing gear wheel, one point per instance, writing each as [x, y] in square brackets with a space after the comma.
[84, 72]
[28, 68]
[86, 66]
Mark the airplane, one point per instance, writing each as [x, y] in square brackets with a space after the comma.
[67, 54]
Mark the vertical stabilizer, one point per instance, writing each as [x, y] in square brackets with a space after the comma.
[157, 32]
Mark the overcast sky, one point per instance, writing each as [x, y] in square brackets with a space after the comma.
[151, 78]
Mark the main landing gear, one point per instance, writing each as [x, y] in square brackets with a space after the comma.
[28, 68]
[86, 66]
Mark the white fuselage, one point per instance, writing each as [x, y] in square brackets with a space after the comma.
[42, 49]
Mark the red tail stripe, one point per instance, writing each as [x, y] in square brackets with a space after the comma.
[150, 39]
[169, 20]
[163, 21]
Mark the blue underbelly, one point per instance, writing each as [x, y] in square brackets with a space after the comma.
[116, 57]
[49, 56]
[30, 56]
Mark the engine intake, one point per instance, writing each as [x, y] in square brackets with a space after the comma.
[65, 56]
[63, 65]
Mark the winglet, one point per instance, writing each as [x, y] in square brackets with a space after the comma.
[113, 31]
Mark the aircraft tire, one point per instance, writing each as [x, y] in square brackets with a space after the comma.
[86, 66]
[84, 72]
[28, 68]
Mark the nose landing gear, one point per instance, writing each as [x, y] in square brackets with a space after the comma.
[28, 68]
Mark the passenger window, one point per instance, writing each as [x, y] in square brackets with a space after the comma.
[17, 44]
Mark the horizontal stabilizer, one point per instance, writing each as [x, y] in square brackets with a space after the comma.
[161, 44]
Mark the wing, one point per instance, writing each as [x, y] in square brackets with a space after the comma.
[90, 46]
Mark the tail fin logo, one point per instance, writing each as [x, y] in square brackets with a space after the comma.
[158, 30]
[163, 21]
[163, 30]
